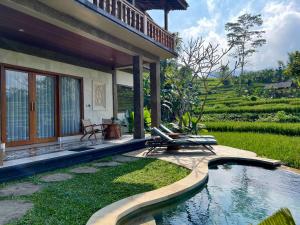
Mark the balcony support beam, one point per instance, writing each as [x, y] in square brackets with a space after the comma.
[115, 93]
[155, 94]
[166, 14]
[138, 95]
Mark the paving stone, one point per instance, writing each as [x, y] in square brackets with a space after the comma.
[19, 189]
[84, 169]
[12, 210]
[107, 164]
[56, 177]
[122, 158]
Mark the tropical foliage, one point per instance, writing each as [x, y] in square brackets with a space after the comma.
[281, 217]
[293, 67]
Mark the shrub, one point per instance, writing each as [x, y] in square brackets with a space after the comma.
[253, 98]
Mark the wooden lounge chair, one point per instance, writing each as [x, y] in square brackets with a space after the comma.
[91, 129]
[166, 141]
[171, 133]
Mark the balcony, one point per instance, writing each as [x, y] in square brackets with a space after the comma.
[136, 19]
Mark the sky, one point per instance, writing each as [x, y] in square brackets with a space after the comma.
[207, 18]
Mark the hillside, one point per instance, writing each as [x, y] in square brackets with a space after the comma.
[225, 104]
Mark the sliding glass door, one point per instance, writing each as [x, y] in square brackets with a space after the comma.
[30, 107]
[39, 107]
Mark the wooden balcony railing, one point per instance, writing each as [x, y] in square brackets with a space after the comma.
[136, 19]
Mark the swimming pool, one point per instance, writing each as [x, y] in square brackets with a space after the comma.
[235, 195]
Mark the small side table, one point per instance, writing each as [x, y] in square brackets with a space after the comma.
[112, 131]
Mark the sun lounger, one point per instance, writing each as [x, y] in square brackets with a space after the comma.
[166, 141]
[169, 132]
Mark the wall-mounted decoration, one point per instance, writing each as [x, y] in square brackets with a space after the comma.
[99, 96]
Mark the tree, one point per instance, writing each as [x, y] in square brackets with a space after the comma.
[197, 63]
[224, 75]
[293, 67]
[245, 37]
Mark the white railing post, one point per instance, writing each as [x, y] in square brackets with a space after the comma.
[145, 24]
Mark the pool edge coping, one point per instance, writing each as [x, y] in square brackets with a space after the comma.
[113, 213]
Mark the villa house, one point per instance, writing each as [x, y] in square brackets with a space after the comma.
[62, 61]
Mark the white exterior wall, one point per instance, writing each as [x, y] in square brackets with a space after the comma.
[89, 75]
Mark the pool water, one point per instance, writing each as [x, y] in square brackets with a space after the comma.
[236, 194]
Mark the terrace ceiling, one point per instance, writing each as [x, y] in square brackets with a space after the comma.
[23, 28]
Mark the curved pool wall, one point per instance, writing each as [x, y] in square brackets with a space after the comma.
[119, 212]
[235, 194]
[152, 210]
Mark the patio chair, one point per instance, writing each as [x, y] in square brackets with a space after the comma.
[171, 133]
[91, 129]
[166, 141]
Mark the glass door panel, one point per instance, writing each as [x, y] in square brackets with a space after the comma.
[17, 101]
[70, 105]
[45, 106]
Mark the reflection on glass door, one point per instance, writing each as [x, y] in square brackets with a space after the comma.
[45, 106]
[17, 99]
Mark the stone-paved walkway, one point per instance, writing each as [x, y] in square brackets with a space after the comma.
[56, 177]
[20, 189]
[13, 209]
[84, 169]
[107, 164]
[124, 159]
[190, 158]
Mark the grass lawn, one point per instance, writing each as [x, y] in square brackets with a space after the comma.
[75, 200]
[284, 148]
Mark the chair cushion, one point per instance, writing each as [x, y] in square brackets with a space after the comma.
[165, 129]
[163, 136]
[194, 141]
[208, 141]
[200, 136]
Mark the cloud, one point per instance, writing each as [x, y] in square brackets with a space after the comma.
[282, 25]
[281, 22]
[203, 27]
[211, 5]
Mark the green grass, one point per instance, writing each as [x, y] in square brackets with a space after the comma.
[75, 200]
[284, 148]
[259, 127]
[267, 108]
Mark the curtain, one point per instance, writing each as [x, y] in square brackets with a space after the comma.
[45, 106]
[17, 118]
[70, 105]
